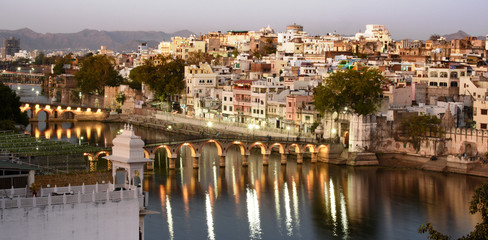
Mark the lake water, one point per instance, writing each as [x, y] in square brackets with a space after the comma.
[306, 201]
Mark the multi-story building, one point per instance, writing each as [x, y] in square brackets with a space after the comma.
[200, 80]
[261, 92]
[11, 45]
[242, 100]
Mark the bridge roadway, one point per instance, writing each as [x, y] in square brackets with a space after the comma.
[284, 146]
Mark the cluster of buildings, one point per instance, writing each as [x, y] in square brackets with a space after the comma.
[267, 78]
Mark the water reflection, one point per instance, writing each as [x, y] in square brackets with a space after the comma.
[317, 201]
[307, 201]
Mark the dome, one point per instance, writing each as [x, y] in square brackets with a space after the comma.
[128, 147]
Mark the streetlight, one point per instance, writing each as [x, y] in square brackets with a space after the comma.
[37, 96]
[209, 125]
[169, 129]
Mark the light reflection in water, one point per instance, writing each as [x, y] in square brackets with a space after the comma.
[253, 214]
[210, 222]
[295, 204]
[333, 207]
[170, 218]
[288, 221]
[344, 217]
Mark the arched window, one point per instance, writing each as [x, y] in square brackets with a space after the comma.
[433, 74]
[443, 75]
[454, 84]
[454, 75]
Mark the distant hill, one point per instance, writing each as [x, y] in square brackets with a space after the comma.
[90, 39]
[460, 35]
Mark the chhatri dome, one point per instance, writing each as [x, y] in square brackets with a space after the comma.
[128, 155]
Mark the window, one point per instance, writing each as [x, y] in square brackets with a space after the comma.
[433, 74]
[443, 84]
[230, 108]
[433, 84]
[484, 111]
[483, 126]
[454, 75]
[443, 75]
[262, 111]
[307, 118]
[225, 98]
[463, 74]
[230, 99]
[289, 104]
[454, 84]
[225, 108]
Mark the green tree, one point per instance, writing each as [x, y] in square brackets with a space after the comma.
[95, 73]
[10, 113]
[269, 47]
[419, 127]
[198, 57]
[478, 204]
[235, 53]
[164, 79]
[359, 91]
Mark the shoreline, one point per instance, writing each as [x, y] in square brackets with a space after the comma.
[402, 160]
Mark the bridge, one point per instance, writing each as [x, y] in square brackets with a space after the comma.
[60, 112]
[266, 145]
[22, 78]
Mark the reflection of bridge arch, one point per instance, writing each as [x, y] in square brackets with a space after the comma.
[239, 144]
[217, 144]
[260, 145]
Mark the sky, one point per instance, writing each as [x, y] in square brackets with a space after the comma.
[414, 19]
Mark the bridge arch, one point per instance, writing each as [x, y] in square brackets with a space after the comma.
[310, 147]
[217, 144]
[295, 147]
[261, 146]
[101, 153]
[42, 115]
[239, 144]
[192, 148]
[68, 114]
[165, 147]
[280, 147]
[322, 147]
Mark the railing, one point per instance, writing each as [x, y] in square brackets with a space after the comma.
[67, 195]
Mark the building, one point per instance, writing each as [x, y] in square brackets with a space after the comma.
[11, 45]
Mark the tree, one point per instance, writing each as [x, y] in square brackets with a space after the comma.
[479, 203]
[269, 47]
[10, 113]
[434, 37]
[165, 78]
[95, 73]
[196, 58]
[359, 91]
[419, 127]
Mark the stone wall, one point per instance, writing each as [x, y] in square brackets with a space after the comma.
[94, 220]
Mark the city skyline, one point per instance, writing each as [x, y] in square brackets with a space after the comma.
[417, 20]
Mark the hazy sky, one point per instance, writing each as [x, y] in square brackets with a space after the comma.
[416, 19]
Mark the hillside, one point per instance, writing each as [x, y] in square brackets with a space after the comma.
[90, 39]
